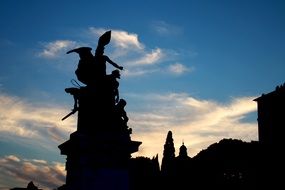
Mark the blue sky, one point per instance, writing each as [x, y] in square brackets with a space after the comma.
[192, 67]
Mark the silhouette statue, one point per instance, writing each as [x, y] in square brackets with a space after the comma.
[92, 69]
[122, 118]
[120, 111]
[98, 153]
[75, 93]
[100, 58]
[85, 64]
[112, 85]
[31, 186]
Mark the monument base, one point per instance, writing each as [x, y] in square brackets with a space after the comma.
[97, 164]
[101, 179]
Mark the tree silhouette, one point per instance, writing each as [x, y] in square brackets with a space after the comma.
[168, 155]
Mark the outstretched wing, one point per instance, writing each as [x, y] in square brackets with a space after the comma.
[105, 38]
[80, 50]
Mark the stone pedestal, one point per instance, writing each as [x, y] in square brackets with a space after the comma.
[98, 153]
[97, 165]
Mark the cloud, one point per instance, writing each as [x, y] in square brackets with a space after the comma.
[134, 54]
[165, 29]
[129, 51]
[21, 171]
[13, 158]
[198, 122]
[32, 122]
[56, 48]
[138, 72]
[150, 58]
[125, 49]
[178, 69]
[121, 39]
[127, 46]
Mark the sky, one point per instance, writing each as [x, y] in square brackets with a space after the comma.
[191, 67]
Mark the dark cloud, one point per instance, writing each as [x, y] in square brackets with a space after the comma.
[46, 175]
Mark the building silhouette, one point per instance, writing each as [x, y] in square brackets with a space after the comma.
[271, 128]
[271, 122]
[232, 164]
